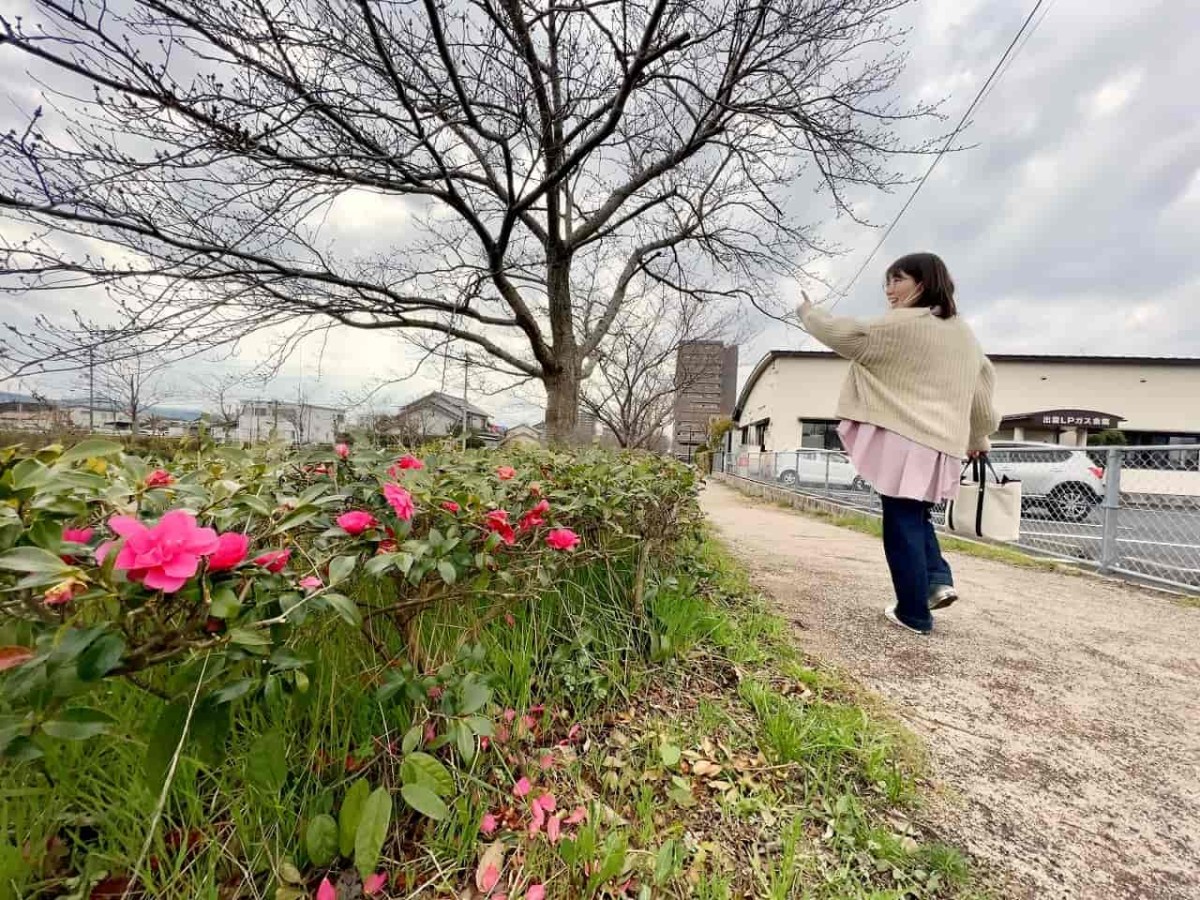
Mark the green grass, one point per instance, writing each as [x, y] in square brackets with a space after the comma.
[806, 814]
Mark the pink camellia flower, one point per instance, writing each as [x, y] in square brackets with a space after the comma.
[165, 556]
[522, 788]
[356, 521]
[533, 518]
[232, 547]
[451, 506]
[488, 824]
[554, 829]
[497, 520]
[78, 535]
[159, 478]
[103, 550]
[64, 592]
[409, 462]
[536, 892]
[342, 450]
[311, 583]
[373, 884]
[506, 473]
[326, 891]
[399, 500]
[273, 560]
[562, 539]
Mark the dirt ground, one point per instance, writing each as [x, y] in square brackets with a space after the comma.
[1061, 712]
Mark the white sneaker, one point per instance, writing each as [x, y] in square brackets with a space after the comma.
[890, 612]
[941, 596]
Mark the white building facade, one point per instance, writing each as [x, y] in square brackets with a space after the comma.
[292, 423]
[790, 398]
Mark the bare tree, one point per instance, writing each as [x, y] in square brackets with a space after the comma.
[632, 391]
[131, 386]
[221, 394]
[553, 159]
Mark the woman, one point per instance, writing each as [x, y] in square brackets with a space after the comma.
[917, 400]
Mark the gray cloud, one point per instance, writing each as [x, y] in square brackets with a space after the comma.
[1069, 225]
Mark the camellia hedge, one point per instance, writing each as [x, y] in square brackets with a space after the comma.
[197, 578]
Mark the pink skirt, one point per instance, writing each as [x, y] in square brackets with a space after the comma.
[898, 467]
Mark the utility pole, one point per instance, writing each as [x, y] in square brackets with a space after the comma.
[466, 366]
[91, 389]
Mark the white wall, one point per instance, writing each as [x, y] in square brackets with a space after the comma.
[1150, 397]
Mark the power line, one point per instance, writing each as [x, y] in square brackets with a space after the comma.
[994, 76]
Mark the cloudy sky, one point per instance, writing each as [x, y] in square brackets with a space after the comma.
[1069, 224]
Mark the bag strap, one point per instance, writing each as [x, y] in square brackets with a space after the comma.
[979, 506]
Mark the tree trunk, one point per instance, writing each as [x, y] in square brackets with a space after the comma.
[562, 406]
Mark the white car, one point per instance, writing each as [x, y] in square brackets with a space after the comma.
[817, 467]
[1064, 482]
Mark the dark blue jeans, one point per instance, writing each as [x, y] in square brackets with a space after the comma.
[914, 557]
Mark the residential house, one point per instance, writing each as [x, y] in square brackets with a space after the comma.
[438, 414]
[293, 423]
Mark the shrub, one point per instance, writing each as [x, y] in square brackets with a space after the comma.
[112, 565]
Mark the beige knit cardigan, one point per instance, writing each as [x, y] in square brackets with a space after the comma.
[913, 373]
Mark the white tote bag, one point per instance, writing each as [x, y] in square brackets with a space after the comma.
[986, 508]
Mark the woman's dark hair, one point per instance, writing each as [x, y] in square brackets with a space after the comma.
[928, 270]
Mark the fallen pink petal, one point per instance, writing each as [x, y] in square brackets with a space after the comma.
[326, 891]
[578, 816]
[522, 788]
[536, 892]
[547, 802]
[488, 824]
[554, 829]
[490, 878]
[375, 883]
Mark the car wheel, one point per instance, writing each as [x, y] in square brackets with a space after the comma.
[1072, 502]
[788, 477]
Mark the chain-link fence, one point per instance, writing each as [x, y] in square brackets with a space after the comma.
[1133, 511]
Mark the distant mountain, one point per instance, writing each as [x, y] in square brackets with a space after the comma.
[166, 412]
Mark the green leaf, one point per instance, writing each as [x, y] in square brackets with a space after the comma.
[372, 831]
[447, 571]
[211, 724]
[340, 568]
[425, 801]
[345, 607]
[481, 726]
[78, 724]
[232, 692]
[47, 534]
[254, 504]
[248, 637]
[670, 755]
[377, 565]
[412, 739]
[101, 657]
[29, 473]
[321, 840]
[476, 694]
[299, 517]
[421, 768]
[351, 814]
[168, 730]
[665, 863]
[466, 742]
[32, 559]
[93, 448]
[225, 604]
[266, 763]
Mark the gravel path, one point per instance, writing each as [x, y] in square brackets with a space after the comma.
[1061, 713]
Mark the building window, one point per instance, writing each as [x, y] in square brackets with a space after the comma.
[821, 435]
[745, 435]
[760, 434]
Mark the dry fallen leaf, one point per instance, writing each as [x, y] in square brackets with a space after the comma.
[706, 769]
